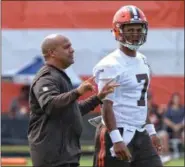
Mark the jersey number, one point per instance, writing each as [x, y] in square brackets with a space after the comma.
[140, 77]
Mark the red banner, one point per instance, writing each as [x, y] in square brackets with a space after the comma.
[162, 88]
[86, 14]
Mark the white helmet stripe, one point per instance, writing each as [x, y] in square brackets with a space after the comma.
[134, 11]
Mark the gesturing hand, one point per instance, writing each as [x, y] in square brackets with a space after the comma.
[86, 86]
[108, 88]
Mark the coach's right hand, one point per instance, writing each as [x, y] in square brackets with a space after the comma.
[86, 86]
[121, 151]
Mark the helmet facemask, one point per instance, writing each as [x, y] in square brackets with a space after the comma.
[131, 37]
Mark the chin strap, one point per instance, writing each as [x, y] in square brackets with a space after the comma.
[131, 47]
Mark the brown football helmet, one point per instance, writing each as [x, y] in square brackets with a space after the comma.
[130, 16]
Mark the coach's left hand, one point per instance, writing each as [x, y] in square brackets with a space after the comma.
[156, 143]
[107, 89]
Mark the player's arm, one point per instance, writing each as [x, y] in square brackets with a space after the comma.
[149, 126]
[120, 148]
[108, 115]
[153, 134]
[102, 75]
[109, 118]
[107, 109]
[148, 118]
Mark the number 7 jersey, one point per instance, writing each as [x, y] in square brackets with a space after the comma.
[133, 75]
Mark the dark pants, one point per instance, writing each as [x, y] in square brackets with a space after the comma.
[66, 165]
[143, 153]
[69, 165]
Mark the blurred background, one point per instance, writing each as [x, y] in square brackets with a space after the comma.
[88, 25]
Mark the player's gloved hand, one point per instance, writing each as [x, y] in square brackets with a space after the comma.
[156, 143]
[122, 152]
[108, 88]
[86, 86]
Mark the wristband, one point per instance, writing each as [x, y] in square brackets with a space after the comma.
[115, 136]
[150, 129]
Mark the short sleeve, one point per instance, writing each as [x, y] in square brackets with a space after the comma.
[105, 72]
[103, 75]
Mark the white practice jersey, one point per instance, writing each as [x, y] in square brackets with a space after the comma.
[130, 98]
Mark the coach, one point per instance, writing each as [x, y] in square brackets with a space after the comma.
[55, 122]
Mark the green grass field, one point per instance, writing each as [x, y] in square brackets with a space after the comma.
[85, 160]
[179, 162]
[88, 160]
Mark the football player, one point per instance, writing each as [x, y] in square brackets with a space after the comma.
[125, 137]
